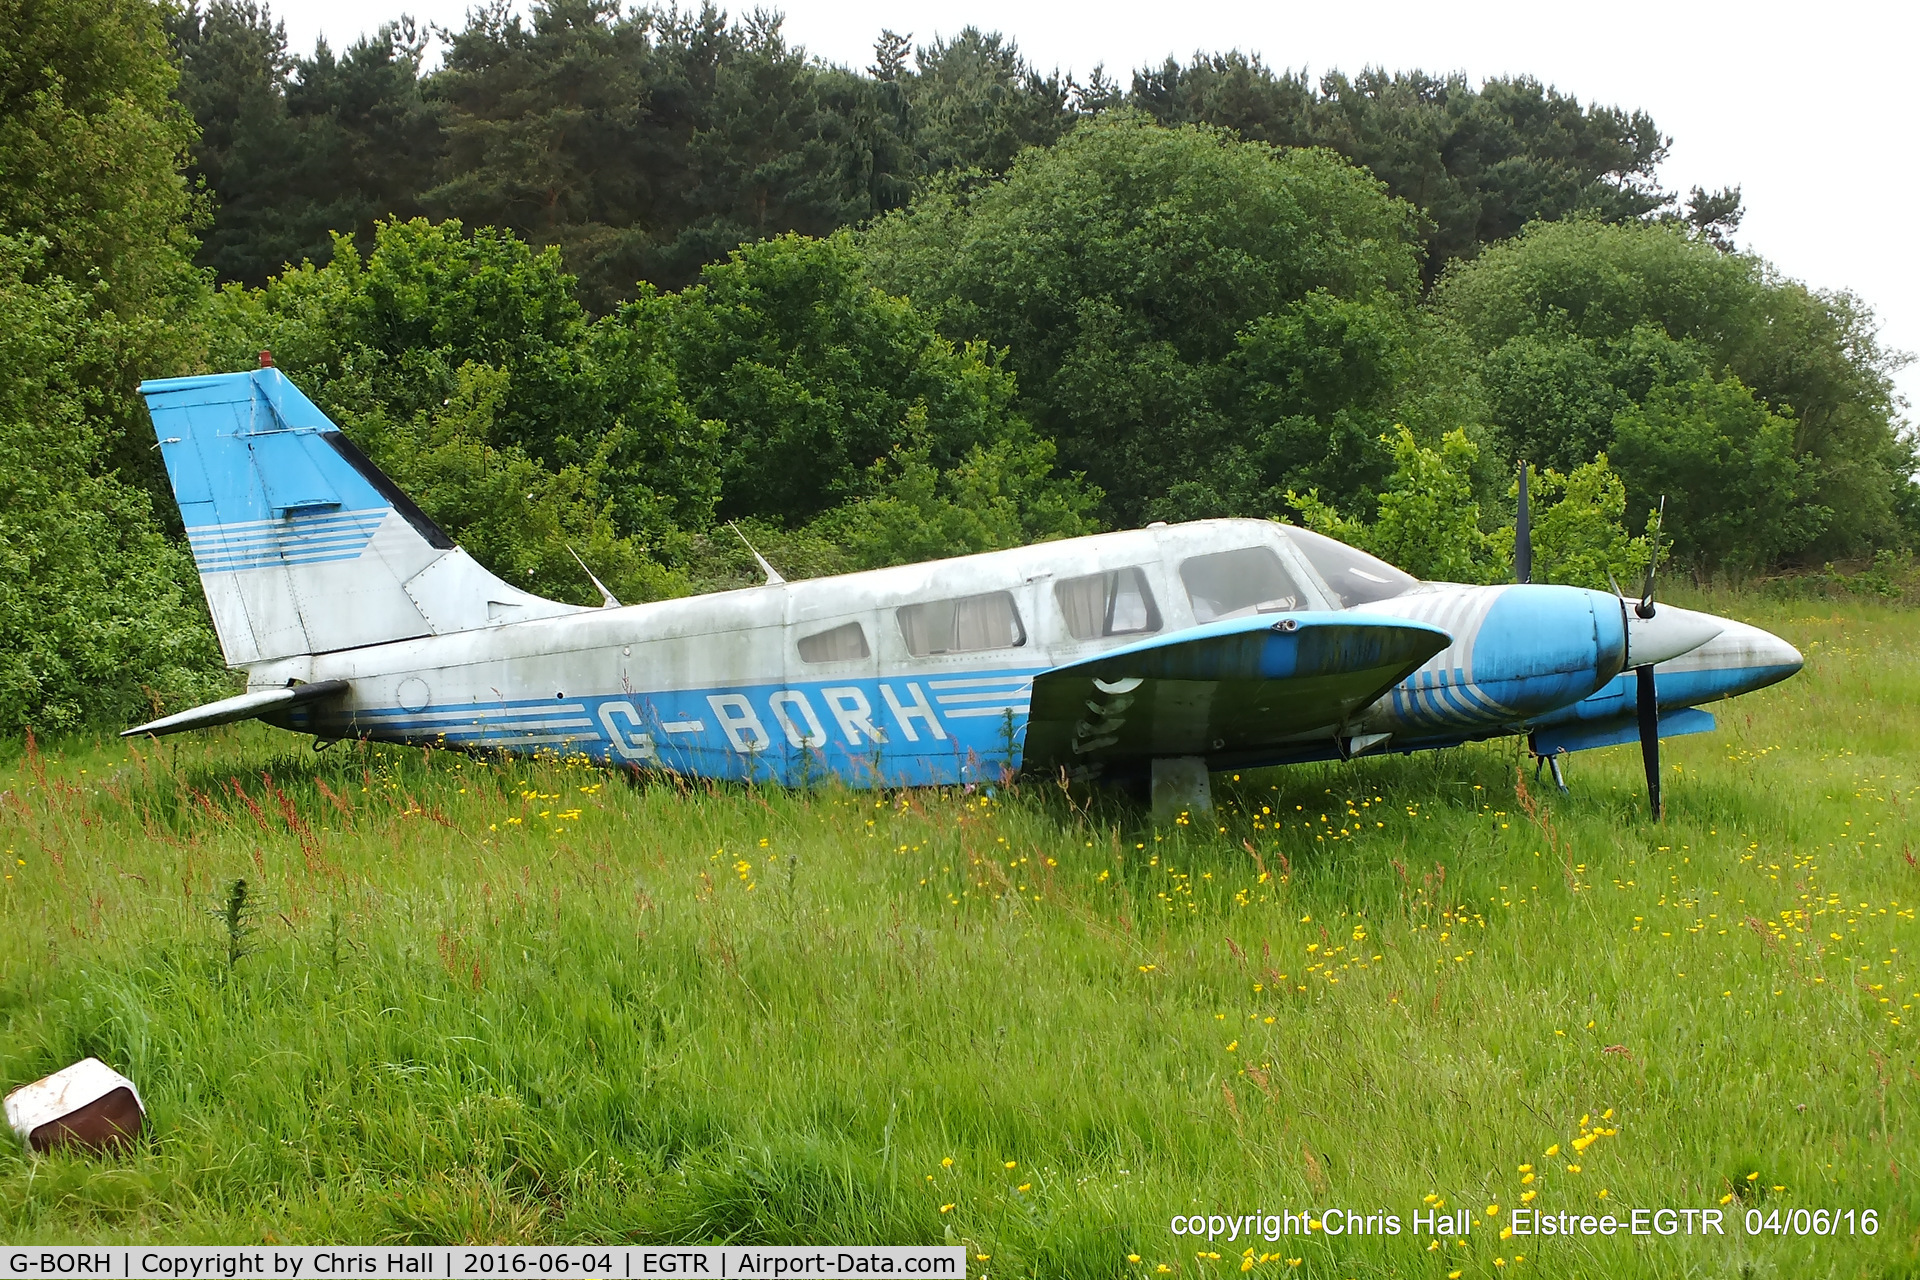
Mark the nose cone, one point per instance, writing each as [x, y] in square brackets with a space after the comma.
[1739, 646]
[1669, 633]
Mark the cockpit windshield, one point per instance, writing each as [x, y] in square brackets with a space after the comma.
[1355, 577]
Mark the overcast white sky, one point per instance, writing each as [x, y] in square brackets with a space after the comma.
[1811, 108]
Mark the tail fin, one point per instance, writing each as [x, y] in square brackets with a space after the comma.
[303, 545]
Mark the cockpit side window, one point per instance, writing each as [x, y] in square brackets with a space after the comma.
[965, 625]
[1232, 584]
[844, 643]
[1354, 577]
[1115, 603]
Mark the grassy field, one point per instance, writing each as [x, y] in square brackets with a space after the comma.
[464, 999]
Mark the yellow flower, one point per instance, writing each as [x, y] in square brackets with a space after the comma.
[1012, 1163]
[1526, 1197]
[1453, 1275]
[1726, 1198]
[1028, 1186]
[946, 1208]
[1573, 1168]
[947, 1163]
[1164, 1269]
[1133, 1257]
[1526, 1168]
[1234, 1045]
[1493, 1211]
[1554, 1150]
[1602, 1195]
[1754, 1176]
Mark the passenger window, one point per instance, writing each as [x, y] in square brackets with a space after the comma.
[1117, 603]
[962, 626]
[846, 643]
[1231, 584]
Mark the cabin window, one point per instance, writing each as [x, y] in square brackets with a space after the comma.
[1355, 577]
[845, 643]
[1232, 584]
[966, 625]
[1115, 603]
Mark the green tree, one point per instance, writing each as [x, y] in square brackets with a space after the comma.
[646, 144]
[1726, 465]
[91, 148]
[1429, 523]
[819, 377]
[294, 148]
[999, 495]
[974, 103]
[1579, 535]
[1479, 161]
[100, 616]
[1134, 273]
[464, 366]
[1571, 325]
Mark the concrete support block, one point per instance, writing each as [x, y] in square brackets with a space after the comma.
[1181, 785]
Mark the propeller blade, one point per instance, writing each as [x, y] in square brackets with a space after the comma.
[1645, 607]
[1523, 534]
[1648, 706]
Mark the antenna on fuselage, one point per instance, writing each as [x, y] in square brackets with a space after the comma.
[773, 575]
[606, 597]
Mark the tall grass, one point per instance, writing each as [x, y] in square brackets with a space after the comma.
[467, 999]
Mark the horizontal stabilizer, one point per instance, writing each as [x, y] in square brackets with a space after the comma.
[245, 706]
[1229, 691]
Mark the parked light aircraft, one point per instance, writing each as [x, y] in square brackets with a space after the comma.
[1155, 654]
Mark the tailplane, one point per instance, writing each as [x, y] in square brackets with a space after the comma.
[303, 546]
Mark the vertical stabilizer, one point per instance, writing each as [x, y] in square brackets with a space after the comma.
[303, 546]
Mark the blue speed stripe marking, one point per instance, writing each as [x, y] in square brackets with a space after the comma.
[262, 544]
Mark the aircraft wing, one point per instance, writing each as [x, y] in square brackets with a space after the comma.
[1226, 690]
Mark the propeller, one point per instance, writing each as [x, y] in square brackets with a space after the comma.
[1523, 534]
[1645, 607]
[1645, 696]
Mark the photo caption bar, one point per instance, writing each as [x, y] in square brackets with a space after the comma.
[594, 1262]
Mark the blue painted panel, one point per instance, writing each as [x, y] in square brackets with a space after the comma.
[1545, 646]
[1587, 735]
[258, 483]
[290, 469]
[1674, 689]
[966, 727]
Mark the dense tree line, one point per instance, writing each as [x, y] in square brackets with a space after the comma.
[605, 282]
[648, 142]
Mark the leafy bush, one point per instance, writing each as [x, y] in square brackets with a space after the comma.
[1429, 523]
[1579, 537]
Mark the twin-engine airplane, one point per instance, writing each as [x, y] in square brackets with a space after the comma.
[1156, 654]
